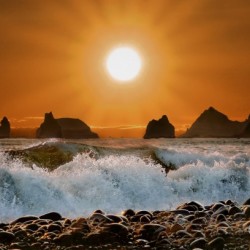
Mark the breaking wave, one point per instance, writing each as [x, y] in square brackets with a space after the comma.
[113, 181]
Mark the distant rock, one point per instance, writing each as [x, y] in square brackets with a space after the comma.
[4, 128]
[75, 129]
[214, 124]
[68, 128]
[160, 129]
[50, 128]
[246, 131]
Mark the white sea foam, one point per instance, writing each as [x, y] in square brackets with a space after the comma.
[117, 182]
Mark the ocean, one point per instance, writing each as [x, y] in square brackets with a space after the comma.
[76, 177]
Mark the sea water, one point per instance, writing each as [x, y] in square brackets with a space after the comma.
[117, 174]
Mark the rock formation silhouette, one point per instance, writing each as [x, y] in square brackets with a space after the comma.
[50, 128]
[160, 129]
[246, 131]
[4, 128]
[212, 123]
[69, 128]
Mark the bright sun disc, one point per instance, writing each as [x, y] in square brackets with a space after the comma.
[123, 64]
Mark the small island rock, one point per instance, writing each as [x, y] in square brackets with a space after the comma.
[50, 128]
[4, 128]
[160, 129]
[214, 124]
[69, 128]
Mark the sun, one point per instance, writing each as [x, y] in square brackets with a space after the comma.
[124, 64]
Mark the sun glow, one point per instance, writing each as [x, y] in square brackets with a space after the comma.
[123, 64]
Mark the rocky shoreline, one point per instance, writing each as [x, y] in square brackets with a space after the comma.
[222, 225]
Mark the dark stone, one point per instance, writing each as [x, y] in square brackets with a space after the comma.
[51, 216]
[247, 202]
[6, 237]
[68, 128]
[128, 213]
[222, 210]
[32, 227]
[212, 123]
[25, 219]
[54, 227]
[221, 217]
[234, 210]
[4, 128]
[198, 243]
[216, 244]
[160, 129]
[196, 204]
[117, 228]
[114, 218]
[246, 211]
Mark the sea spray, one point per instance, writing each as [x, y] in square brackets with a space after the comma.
[116, 182]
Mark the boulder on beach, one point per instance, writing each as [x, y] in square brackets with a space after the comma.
[69, 128]
[4, 128]
[212, 123]
[161, 128]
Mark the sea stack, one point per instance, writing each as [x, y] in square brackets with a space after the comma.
[246, 130]
[214, 124]
[69, 128]
[75, 129]
[50, 128]
[4, 128]
[161, 128]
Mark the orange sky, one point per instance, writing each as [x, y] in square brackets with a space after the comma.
[52, 53]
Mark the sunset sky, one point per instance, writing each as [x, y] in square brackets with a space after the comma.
[195, 54]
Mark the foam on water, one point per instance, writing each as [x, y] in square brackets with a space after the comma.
[117, 182]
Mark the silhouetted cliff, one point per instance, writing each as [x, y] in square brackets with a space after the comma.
[75, 128]
[64, 128]
[161, 128]
[246, 131]
[49, 128]
[4, 128]
[212, 123]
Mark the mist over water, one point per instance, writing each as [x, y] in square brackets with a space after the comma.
[122, 174]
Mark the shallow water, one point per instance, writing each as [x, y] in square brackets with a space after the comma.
[116, 174]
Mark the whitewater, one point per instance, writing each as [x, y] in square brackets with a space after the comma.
[77, 177]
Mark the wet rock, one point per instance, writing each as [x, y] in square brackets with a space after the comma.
[180, 211]
[247, 202]
[54, 228]
[198, 243]
[216, 244]
[145, 219]
[32, 227]
[6, 237]
[54, 216]
[128, 213]
[150, 231]
[176, 227]
[100, 238]
[100, 218]
[25, 219]
[234, 210]
[117, 228]
[221, 217]
[246, 211]
[114, 218]
[221, 210]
